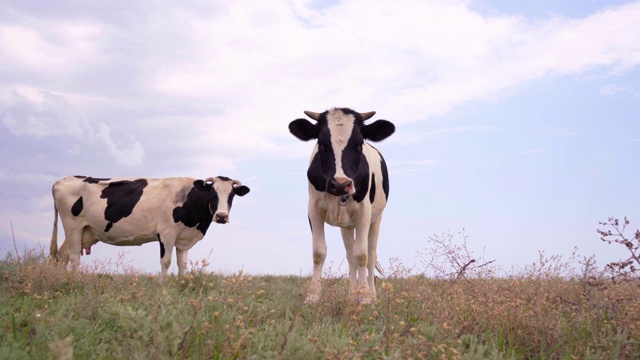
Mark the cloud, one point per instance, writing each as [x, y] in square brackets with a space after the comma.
[248, 68]
[45, 114]
[533, 151]
[612, 89]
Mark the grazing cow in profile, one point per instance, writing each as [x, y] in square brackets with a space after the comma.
[348, 188]
[124, 212]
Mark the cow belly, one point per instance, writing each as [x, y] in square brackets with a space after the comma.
[119, 237]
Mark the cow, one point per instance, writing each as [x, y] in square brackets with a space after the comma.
[134, 211]
[348, 188]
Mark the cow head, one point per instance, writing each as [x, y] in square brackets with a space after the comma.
[221, 196]
[338, 155]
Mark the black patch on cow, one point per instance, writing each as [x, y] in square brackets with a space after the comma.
[385, 177]
[372, 191]
[91, 180]
[161, 247]
[315, 175]
[223, 178]
[77, 207]
[195, 210]
[122, 196]
[361, 180]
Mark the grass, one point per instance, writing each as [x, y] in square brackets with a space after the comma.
[48, 312]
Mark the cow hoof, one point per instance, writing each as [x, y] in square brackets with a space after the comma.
[364, 297]
[312, 299]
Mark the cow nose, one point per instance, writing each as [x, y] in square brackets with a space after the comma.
[339, 186]
[221, 218]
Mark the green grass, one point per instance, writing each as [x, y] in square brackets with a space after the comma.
[48, 312]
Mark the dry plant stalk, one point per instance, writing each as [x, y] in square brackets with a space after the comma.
[629, 267]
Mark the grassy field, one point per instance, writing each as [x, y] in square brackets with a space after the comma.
[48, 312]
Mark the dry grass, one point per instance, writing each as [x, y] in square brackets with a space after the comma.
[49, 311]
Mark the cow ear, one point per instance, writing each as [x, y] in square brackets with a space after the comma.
[241, 190]
[378, 130]
[303, 129]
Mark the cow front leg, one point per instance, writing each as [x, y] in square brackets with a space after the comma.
[166, 251]
[360, 257]
[319, 256]
[374, 231]
[181, 257]
[349, 240]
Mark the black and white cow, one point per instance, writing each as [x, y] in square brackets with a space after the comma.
[174, 211]
[348, 188]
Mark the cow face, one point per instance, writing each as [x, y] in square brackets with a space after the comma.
[223, 189]
[338, 162]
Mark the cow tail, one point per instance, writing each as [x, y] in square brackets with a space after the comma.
[380, 269]
[53, 248]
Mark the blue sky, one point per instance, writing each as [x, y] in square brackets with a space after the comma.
[517, 123]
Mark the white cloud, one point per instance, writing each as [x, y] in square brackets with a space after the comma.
[51, 115]
[254, 66]
[533, 151]
[612, 89]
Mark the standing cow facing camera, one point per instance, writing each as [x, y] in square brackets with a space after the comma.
[348, 188]
[176, 212]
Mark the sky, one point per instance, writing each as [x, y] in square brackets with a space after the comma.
[517, 123]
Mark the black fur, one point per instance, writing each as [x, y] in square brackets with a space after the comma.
[91, 180]
[122, 196]
[161, 247]
[195, 210]
[77, 207]
[372, 191]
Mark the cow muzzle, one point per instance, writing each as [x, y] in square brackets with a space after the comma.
[340, 186]
[221, 218]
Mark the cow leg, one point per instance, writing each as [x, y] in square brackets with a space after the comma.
[165, 259]
[319, 254]
[360, 255]
[181, 257]
[73, 239]
[63, 253]
[374, 231]
[349, 240]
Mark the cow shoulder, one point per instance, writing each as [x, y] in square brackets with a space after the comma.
[194, 210]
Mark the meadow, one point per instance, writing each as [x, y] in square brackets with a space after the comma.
[541, 312]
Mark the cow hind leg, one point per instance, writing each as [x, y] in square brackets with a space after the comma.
[182, 256]
[349, 241]
[73, 251]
